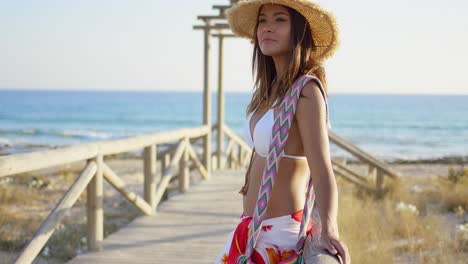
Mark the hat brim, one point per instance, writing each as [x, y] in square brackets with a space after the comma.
[242, 18]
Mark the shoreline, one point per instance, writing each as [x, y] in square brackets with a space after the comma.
[7, 149]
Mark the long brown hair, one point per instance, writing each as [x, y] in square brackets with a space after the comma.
[300, 62]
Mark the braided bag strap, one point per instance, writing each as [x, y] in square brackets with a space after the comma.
[280, 133]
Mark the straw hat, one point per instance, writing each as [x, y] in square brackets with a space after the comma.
[242, 18]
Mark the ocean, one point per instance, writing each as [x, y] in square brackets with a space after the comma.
[387, 126]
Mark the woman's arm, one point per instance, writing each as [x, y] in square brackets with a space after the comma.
[311, 120]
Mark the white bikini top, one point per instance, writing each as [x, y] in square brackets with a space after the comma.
[262, 131]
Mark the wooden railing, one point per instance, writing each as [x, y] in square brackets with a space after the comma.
[174, 162]
[377, 169]
[237, 151]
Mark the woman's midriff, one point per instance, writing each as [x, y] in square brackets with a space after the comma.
[288, 194]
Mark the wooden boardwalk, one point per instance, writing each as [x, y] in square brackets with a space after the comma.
[188, 228]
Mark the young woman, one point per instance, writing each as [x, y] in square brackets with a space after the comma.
[291, 39]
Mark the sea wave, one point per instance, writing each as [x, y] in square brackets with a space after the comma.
[5, 141]
[21, 131]
[80, 133]
[86, 134]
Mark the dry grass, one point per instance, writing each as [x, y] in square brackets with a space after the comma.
[27, 199]
[386, 230]
[16, 223]
[25, 202]
[453, 190]
[15, 228]
[70, 238]
[18, 195]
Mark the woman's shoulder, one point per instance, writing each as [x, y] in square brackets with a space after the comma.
[311, 77]
[312, 86]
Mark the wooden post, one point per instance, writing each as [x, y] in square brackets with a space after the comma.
[379, 183]
[184, 176]
[220, 143]
[234, 158]
[230, 158]
[95, 215]
[207, 100]
[149, 167]
[344, 162]
[165, 162]
[239, 157]
[371, 171]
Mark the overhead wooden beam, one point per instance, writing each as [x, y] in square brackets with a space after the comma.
[215, 26]
[206, 17]
[222, 7]
[224, 35]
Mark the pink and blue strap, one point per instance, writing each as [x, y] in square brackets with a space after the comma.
[280, 133]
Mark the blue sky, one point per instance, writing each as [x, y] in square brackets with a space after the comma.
[394, 46]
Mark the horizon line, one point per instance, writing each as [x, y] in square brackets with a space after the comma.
[200, 91]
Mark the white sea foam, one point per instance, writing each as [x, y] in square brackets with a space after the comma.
[5, 141]
[86, 134]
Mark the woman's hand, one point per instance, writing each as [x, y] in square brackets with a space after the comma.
[332, 243]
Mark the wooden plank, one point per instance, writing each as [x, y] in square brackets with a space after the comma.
[189, 228]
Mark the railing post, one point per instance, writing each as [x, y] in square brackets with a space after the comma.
[234, 158]
[344, 162]
[184, 176]
[230, 158]
[379, 183]
[372, 172]
[207, 100]
[239, 157]
[220, 125]
[149, 164]
[95, 214]
[165, 162]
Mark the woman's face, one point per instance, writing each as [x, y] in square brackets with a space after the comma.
[274, 27]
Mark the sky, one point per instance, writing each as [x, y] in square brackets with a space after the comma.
[386, 47]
